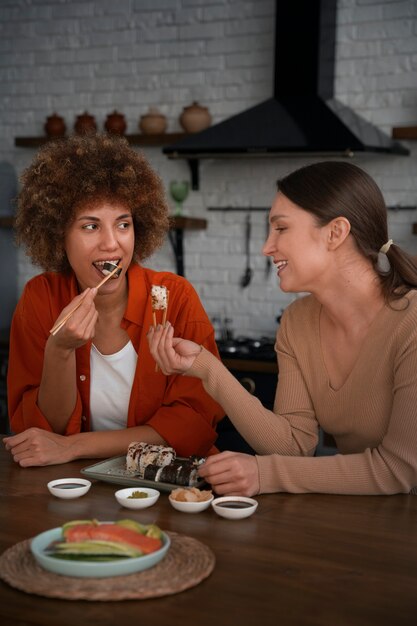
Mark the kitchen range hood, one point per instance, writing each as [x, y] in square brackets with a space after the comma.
[302, 117]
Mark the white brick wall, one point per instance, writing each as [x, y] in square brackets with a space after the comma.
[69, 56]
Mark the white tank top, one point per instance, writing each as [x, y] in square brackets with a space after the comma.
[111, 382]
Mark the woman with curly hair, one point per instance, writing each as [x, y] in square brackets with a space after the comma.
[347, 352]
[91, 388]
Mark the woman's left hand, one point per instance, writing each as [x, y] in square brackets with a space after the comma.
[35, 446]
[231, 473]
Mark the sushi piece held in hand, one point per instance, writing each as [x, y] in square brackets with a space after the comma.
[159, 296]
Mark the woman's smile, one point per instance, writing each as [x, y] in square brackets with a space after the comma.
[280, 265]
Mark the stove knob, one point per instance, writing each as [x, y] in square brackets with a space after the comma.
[249, 384]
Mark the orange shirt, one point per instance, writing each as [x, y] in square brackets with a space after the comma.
[177, 407]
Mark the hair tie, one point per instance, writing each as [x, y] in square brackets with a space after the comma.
[383, 264]
[384, 249]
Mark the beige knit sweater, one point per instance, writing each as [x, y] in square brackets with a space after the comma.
[373, 416]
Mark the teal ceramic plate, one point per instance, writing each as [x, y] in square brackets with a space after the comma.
[101, 569]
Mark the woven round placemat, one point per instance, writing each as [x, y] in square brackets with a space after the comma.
[186, 564]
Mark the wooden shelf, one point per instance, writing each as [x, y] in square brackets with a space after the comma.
[30, 142]
[6, 221]
[139, 140]
[178, 222]
[155, 140]
[188, 223]
[181, 222]
[404, 132]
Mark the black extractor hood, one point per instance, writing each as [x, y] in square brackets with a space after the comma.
[302, 117]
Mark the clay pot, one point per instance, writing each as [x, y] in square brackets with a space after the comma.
[85, 124]
[55, 126]
[153, 123]
[115, 123]
[195, 118]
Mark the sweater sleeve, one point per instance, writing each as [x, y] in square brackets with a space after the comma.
[290, 429]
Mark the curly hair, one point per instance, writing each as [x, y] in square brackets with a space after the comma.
[84, 170]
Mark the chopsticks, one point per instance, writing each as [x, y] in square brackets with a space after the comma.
[64, 320]
[164, 316]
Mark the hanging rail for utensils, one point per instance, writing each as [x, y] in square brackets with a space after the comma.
[238, 208]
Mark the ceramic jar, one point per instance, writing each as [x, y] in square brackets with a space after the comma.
[85, 124]
[195, 118]
[55, 126]
[115, 123]
[153, 123]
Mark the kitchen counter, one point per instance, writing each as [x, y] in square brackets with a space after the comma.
[248, 365]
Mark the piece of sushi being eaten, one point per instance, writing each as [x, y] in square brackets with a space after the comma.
[108, 267]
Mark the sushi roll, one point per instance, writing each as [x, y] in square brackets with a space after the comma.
[169, 472]
[151, 472]
[159, 297]
[140, 455]
[132, 457]
[159, 464]
[188, 475]
[109, 267]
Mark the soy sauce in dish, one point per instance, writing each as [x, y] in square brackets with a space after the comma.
[234, 505]
[68, 486]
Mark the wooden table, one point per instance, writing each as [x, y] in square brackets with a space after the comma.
[301, 559]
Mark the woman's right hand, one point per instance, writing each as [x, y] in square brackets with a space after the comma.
[173, 355]
[35, 446]
[80, 326]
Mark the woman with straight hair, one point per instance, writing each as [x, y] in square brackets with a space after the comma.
[347, 351]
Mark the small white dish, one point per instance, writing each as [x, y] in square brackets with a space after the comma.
[191, 507]
[234, 507]
[69, 488]
[122, 497]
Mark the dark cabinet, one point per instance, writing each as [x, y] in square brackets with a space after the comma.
[260, 379]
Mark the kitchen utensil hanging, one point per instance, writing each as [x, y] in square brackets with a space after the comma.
[247, 276]
[268, 262]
